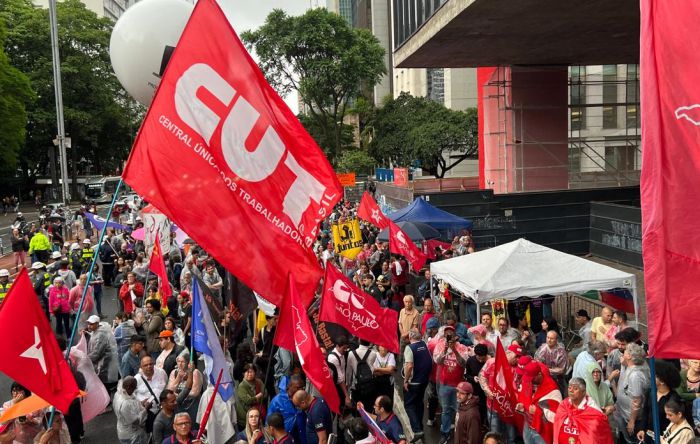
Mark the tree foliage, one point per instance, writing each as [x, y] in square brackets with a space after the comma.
[322, 58]
[15, 94]
[355, 161]
[410, 129]
[100, 118]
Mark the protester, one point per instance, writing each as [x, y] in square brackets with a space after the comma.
[294, 421]
[667, 381]
[553, 355]
[318, 417]
[249, 393]
[387, 421]
[579, 420]
[468, 420]
[678, 430]
[59, 305]
[383, 369]
[634, 386]
[252, 433]
[451, 358]
[418, 365]
[102, 351]
[130, 363]
[182, 425]
[186, 381]
[131, 413]
[359, 376]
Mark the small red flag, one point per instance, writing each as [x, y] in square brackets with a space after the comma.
[219, 145]
[503, 389]
[157, 266]
[400, 243]
[670, 111]
[30, 353]
[370, 212]
[294, 332]
[344, 304]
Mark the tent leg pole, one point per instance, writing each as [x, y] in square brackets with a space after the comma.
[478, 313]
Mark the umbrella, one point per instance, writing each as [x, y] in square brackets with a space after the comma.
[56, 216]
[416, 231]
[139, 234]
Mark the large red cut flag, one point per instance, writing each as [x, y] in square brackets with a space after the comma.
[294, 333]
[670, 180]
[344, 304]
[400, 243]
[221, 155]
[157, 265]
[504, 395]
[30, 353]
[370, 212]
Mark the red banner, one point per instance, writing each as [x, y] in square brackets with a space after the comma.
[369, 211]
[501, 384]
[294, 332]
[671, 167]
[157, 265]
[30, 353]
[344, 304]
[401, 177]
[222, 155]
[400, 243]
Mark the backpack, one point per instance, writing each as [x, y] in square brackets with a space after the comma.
[363, 374]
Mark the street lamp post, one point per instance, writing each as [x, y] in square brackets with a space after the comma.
[61, 136]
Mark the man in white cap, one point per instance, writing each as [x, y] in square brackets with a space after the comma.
[54, 262]
[41, 281]
[5, 284]
[102, 350]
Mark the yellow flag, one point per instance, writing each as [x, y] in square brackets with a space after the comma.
[347, 238]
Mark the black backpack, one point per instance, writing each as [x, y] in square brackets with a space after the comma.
[363, 374]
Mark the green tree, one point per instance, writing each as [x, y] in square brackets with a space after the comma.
[100, 118]
[15, 94]
[410, 129]
[355, 161]
[322, 58]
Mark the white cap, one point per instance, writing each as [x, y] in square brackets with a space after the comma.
[38, 265]
[56, 255]
[4, 273]
[19, 213]
[94, 319]
[86, 241]
[75, 246]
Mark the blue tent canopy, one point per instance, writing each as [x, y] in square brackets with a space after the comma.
[421, 211]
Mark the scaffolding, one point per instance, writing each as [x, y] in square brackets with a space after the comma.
[602, 138]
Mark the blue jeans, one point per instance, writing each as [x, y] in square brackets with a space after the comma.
[530, 436]
[448, 401]
[506, 430]
[414, 405]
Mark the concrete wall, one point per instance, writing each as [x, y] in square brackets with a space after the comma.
[460, 88]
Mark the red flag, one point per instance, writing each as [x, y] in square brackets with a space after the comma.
[429, 247]
[669, 182]
[370, 212]
[344, 304]
[400, 243]
[221, 155]
[294, 332]
[157, 266]
[501, 383]
[575, 424]
[30, 352]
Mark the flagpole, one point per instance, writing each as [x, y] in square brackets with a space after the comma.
[210, 405]
[654, 401]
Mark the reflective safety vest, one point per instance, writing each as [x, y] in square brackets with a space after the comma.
[47, 280]
[4, 288]
[86, 256]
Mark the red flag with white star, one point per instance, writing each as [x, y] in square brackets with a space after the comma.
[400, 243]
[32, 357]
[369, 211]
[157, 266]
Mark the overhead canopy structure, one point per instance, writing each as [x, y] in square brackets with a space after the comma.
[421, 211]
[523, 268]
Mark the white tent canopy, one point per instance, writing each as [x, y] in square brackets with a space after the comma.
[522, 268]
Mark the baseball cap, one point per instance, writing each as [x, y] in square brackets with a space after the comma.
[480, 329]
[522, 362]
[465, 387]
[94, 319]
[448, 327]
[515, 348]
[38, 265]
[165, 334]
[531, 370]
[432, 323]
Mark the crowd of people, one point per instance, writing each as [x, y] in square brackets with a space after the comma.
[441, 386]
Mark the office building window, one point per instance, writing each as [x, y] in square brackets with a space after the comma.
[610, 96]
[632, 96]
[578, 98]
[619, 158]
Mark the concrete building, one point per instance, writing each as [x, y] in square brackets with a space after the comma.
[533, 136]
[112, 9]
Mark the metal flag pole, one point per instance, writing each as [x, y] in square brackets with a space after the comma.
[654, 401]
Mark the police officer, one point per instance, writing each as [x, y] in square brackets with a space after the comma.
[5, 284]
[86, 254]
[42, 281]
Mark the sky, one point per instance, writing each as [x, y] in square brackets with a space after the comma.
[247, 15]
